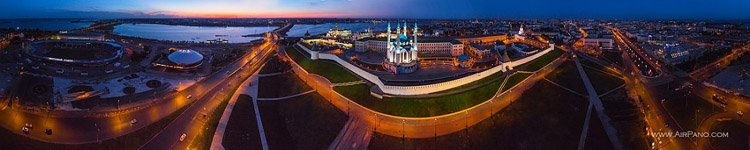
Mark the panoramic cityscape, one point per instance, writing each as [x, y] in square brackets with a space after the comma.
[374, 74]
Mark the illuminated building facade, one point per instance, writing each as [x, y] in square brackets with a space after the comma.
[182, 59]
[401, 54]
[337, 33]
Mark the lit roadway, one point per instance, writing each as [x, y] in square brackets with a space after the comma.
[709, 70]
[102, 125]
[734, 104]
[196, 115]
[645, 63]
[659, 119]
[656, 116]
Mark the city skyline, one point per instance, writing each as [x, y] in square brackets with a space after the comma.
[439, 9]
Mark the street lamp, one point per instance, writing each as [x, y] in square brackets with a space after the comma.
[403, 129]
[375, 128]
[435, 136]
[466, 121]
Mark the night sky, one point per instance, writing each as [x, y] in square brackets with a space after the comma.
[465, 9]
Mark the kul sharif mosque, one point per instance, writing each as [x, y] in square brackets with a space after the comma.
[401, 50]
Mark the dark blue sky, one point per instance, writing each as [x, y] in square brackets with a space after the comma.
[595, 9]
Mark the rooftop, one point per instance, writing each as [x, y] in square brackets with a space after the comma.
[185, 57]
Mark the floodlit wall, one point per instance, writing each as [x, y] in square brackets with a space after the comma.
[422, 89]
[414, 127]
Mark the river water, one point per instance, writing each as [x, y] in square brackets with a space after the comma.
[190, 33]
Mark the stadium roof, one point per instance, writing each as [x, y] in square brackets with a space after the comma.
[185, 57]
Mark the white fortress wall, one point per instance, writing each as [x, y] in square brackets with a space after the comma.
[423, 89]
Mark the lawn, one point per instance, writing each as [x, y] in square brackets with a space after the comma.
[281, 85]
[476, 84]
[204, 138]
[542, 61]
[601, 81]
[242, 129]
[420, 107]
[275, 65]
[515, 79]
[688, 109]
[328, 69]
[626, 118]
[589, 63]
[613, 57]
[535, 121]
[597, 137]
[736, 140]
[488, 79]
[567, 76]
[305, 122]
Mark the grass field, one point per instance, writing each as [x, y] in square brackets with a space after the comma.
[515, 79]
[275, 65]
[567, 76]
[420, 107]
[735, 140]
[596, 137]
[626, 118]
[281, 85]
[327, 69]
[304, 122]
[688, 110]
[535, 121]
[613, 57]
[542, 61]
[416, 107]
[486, 80]
[242, 128]
[601, 81]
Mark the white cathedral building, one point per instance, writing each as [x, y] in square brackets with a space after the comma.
[401, 50]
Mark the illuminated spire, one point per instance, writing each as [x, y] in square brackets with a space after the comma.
[415, 29]
[389, 28]
[414, 32]
[404, 27]
[415, 51]
[398, 28]
[388, 46]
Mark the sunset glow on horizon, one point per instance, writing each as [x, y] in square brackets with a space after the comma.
[300, 14]
[375, 8]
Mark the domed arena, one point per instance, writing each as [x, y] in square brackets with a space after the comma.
[183, 59]
[89, 53]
